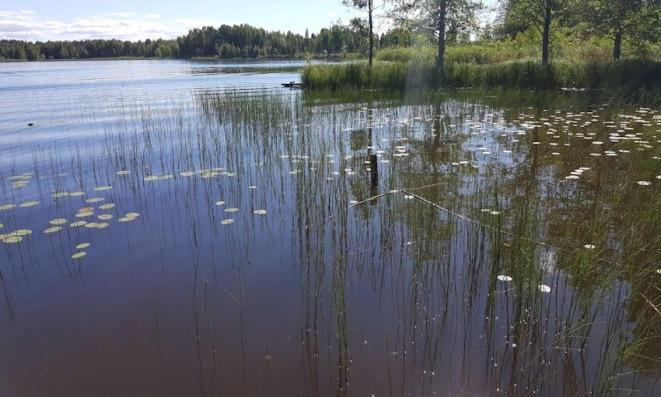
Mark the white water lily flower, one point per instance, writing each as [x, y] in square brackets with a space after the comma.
[504, 278]
[644, 183]
[589, 246]
[544, 288]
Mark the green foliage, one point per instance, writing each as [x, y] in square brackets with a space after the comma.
[15, 49]
[238, 41]
[566, 47]
[626, 75]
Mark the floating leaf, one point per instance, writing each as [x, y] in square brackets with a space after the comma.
[12, 239]
[227, 221]
[5, 207]
[108, 206]
[28, 204]
[53, 229]
[219, 203]
[105, 217]
[78, 255]
[84, 214]
[82, 246]
[58, 221]
[260, 212]
[78, 224]
[102, 188]
[231, 210]
[94, 200]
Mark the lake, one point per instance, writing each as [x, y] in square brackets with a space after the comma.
[174, 228]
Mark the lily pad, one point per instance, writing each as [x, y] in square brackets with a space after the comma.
[78, 255]
[53, 229]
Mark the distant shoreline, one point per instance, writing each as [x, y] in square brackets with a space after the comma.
[335, 57]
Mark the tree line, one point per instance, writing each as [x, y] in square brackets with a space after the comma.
[445, 22]
[238, 41]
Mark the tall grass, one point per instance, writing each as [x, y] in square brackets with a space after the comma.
[565, 47]
[625, 75]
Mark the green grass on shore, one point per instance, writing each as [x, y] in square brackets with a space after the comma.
[624, 75]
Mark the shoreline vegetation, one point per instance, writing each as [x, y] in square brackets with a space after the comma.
[225, 42]
[628, 75]
[532, 44]
[511, 63]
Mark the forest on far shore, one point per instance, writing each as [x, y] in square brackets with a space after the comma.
[238, 41]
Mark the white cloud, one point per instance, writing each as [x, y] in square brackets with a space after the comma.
[27, 25]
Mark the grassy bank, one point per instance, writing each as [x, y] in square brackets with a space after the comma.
[625, 75]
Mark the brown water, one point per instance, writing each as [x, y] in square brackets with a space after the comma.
[497, 244]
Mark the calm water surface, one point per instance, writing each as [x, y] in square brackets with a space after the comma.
[175, 228]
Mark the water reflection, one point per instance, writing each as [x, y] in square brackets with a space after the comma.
[409, 246]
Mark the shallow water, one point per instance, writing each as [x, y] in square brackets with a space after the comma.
[265, 241]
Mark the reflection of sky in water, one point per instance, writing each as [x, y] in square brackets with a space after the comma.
[394, 293]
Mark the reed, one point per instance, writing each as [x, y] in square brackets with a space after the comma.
[628, 76]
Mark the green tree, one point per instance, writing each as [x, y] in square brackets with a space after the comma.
[369, 6]
[638, 20]
[538, 13]
[435, 16]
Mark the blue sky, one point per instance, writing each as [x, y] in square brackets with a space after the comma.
[140, 19]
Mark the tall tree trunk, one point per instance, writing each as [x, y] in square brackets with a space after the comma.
[370, 8]
[442, 10]
[546, 35]
[617, 45]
